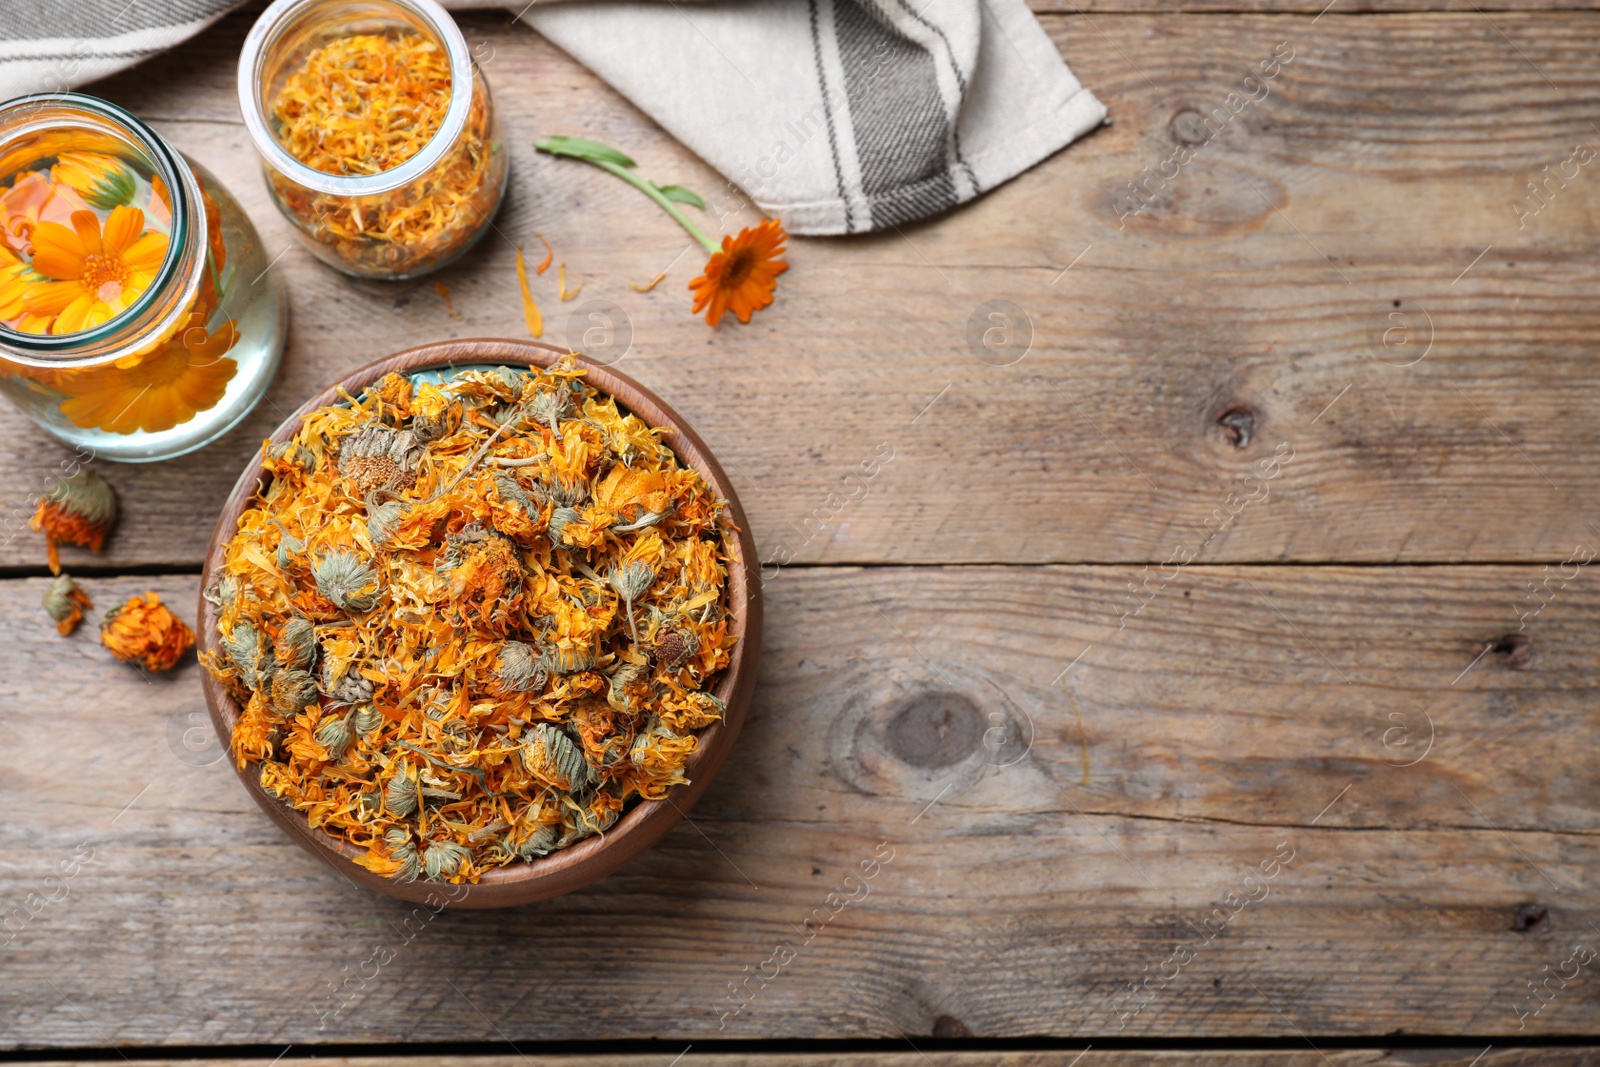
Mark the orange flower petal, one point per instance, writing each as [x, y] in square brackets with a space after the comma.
[123, 227]
[88, 227]
[84, 313]
[47, 298]
[57, 251]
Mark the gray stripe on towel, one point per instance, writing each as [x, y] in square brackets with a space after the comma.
[901, 129]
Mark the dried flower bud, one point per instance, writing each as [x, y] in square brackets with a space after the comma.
[569, 659]
[400, 796]
[224, 592]
[560, 519]
[296, 645]
[383, 520]
[292, 691]
[66, 604]
[551, 753]
[244, 650]
[401, 849]
[144, 631]
[428, 428]
[541, 842]
[376, 457]
[335, 736]
[550, 406]
[631, 581]
[393, 390]
[289, 546]
[443, 859]
[675, 647]
[343, 578]
[621, 678]
[517, 670]
[459, 736]
[436, 703]
[511, 491]
[366, 719]
[293, 453]
[79, 510]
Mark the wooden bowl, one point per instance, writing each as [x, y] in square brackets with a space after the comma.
[647, 821]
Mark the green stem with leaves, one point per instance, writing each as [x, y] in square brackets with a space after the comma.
[614, 162]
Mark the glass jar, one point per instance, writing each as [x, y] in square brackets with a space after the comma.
[339, 97]
[139, 319]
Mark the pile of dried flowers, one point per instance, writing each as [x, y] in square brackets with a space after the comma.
[469, 623]
[367, 103]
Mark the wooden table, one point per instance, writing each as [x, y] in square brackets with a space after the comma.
[1061, 665]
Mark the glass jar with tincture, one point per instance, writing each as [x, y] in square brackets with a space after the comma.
[139, 318]
[376, 131]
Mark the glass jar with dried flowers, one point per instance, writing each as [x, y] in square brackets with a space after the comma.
[139, 318]
[376, 131]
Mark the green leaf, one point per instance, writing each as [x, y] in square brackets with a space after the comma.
[681, 195]
[578, 148]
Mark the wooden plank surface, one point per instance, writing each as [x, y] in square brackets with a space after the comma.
[1464, 1057]
[1176, 354]
[1043, 837]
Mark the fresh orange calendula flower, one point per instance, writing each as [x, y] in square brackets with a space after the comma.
[84, 276]
[743, 275]
[164, 388]
[103, 181]
[79, 510]
[144, 631]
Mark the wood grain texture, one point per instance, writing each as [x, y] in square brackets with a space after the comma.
[1042, 837]
[1465, 1057]
[1255, 289]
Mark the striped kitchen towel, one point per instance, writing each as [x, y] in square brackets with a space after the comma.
[838, 116]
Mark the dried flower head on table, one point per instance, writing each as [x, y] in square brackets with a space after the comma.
[79, 510]
[469, 623]
[144, 631]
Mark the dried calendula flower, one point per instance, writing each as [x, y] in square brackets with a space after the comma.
[343, 578]
[674, 647]
[296, 645]
[511, 597]
[293, 690]
[248, 655]
[551, 753]
[66, 604]
[518, 670]
[79, 510]
[630, 582]
[144, 631]
[378, 457]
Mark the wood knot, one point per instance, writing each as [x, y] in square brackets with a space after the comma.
[934, 730]
[1528, 918]
[1238, 424]
[948, 1026]
[1188, 126]
[1518, 650]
